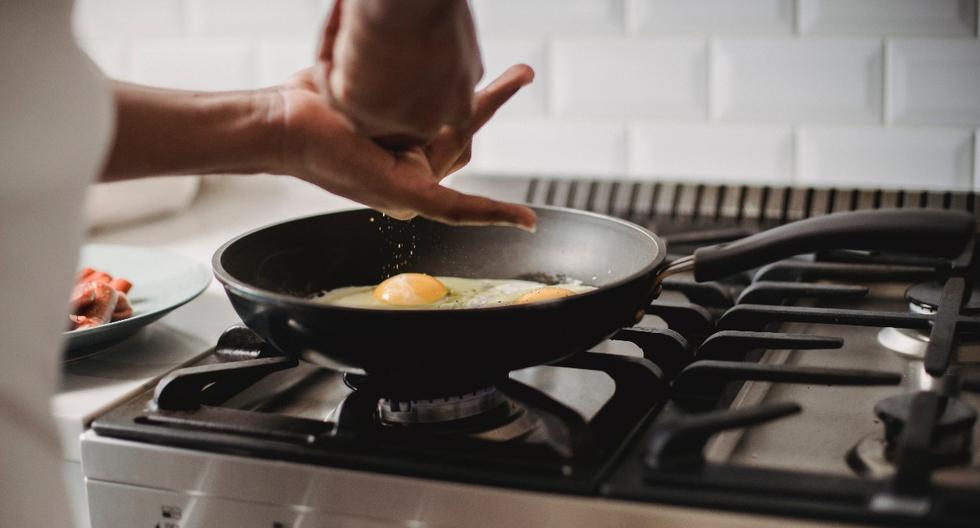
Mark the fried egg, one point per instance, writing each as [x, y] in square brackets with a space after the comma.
[418, 290]
[410, 289]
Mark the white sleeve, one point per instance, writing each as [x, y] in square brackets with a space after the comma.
[56, 112]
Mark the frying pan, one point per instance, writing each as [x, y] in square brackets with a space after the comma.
[270, 275]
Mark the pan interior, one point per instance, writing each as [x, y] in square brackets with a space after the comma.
[362, 247]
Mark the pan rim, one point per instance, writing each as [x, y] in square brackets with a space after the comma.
[232, 284]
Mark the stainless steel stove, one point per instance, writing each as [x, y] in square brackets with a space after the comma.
[832, 388]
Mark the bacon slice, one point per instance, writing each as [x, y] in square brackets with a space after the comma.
[100, 310]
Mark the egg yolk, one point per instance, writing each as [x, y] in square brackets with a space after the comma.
[410, 289]
[547, 293]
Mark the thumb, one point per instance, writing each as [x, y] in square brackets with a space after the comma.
[329, 36]
[324, 57]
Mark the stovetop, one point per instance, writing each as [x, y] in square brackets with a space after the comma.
[811, 387]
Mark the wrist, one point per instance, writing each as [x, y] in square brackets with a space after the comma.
[249, 130]
[266, 115]
[162, 131]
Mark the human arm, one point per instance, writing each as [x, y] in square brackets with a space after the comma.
[291, 129]
[161, 131]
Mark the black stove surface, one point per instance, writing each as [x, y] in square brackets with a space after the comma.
[757, 393]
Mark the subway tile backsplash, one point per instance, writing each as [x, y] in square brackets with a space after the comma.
[845, 93]
[934, 81]
[797, 81]
[624, 78]
[726, 153]
[944, 18]
[889, 157]
[130, 18]
[552, 146]
[248, 18]
[213, 64]
[711, 17]
[549, 17]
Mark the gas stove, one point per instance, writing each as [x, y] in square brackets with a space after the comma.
[829, 388]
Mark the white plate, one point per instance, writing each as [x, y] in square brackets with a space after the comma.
[161, 281]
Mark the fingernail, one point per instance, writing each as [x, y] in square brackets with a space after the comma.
[528, 78]
[529, 228]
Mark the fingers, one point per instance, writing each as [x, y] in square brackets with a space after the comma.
[399, 214]
[330, 30]
[323, 69]
[451, 142]
[498, 92]
[452, 207]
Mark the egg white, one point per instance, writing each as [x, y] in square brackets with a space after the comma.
[463, 293]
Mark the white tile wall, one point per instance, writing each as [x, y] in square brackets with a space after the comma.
[625, 78]
[834, 92]
[712, 17]
[717, 153]
[952, 18]
[249, 18]
[193, 64]
[527, 146]
[934, 81]
[129, 18]
[798, 81]
[906, 157]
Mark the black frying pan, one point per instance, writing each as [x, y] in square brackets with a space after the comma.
[271, 273]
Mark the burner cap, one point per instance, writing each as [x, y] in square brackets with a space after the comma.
[926, 295]
[439, 410]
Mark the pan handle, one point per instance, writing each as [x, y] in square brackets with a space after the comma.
[925, 231]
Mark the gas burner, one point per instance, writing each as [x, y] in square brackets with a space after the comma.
[925, 297]
[486, 414]
[951, 436]
[439, 410]
[911, 344]
[450, 407]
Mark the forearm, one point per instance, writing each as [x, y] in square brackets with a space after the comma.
[179, 132]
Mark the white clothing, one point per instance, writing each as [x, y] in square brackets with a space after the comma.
[56, 119]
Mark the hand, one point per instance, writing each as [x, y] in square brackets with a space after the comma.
[322, 146]
[400, 70]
